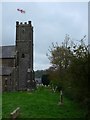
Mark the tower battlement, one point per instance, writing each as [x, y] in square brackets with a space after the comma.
[23, 23]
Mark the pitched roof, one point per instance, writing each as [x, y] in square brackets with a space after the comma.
[4, 70]
[7, 51]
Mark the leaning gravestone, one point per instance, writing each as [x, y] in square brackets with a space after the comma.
[15, 114]
[61, 98]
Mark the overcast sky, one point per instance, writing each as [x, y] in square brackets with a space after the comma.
[51, 22]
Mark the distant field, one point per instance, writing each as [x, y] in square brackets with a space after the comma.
[41, 103]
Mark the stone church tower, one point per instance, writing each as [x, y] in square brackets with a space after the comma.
[24, 56]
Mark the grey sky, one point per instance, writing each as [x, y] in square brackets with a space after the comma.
[51, 21]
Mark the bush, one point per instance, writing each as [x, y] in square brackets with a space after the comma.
[45, 79]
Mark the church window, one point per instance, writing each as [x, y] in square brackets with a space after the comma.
[23, 55]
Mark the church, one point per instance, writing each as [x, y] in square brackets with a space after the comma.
[16, 61]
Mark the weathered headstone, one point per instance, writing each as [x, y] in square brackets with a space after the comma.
[61, 98]
[15, 113]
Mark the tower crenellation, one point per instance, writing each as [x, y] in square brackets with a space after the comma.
[23, 23]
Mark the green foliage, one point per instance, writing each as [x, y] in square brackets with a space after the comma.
[70, 68]
[39, 73]
[60, 57]
[45, 79]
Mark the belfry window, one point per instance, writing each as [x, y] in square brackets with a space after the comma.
[23, 55]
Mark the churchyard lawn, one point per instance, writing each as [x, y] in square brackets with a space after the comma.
[42, 103]
[0, 105]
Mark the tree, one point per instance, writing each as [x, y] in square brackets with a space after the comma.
[70, 68]
[60, 57]
[45, 79]
[79, 73]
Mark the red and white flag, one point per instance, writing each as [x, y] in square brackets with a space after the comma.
[20, 10]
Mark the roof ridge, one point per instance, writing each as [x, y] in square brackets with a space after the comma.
[7, 45]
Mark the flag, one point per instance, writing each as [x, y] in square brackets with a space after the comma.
[20, 10]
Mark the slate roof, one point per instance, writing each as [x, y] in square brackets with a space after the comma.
[7, 51]
[5, 70]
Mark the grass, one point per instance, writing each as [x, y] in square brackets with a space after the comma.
[0, 105]
[41, 103]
